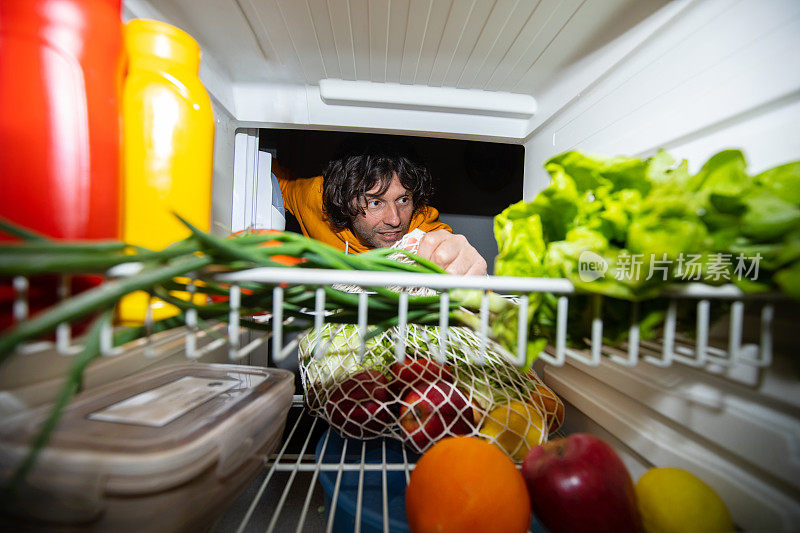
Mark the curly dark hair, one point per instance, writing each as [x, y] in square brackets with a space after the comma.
[359, 166]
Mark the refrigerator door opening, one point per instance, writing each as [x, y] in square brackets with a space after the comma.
[473, 180]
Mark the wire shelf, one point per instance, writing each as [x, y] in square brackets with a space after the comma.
[670, 348]
[289, 496]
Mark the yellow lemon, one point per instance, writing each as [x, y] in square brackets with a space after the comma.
[516, 427]
[672, 500]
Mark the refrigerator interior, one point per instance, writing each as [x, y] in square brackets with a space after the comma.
[600, 76]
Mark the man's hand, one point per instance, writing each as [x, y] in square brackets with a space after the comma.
[451, 252]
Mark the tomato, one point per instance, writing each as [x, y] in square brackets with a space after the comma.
[287, 260]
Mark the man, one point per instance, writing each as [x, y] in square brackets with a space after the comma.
[370, 196]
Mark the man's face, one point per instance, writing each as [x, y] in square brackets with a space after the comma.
[386, 218]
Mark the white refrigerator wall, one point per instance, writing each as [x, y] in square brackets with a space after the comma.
[256, 199]
[222, 186]
[715, 74]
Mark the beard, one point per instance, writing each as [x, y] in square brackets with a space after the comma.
[380, 236]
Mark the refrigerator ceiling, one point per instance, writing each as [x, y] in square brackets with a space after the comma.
[512, 46]
[501, 45]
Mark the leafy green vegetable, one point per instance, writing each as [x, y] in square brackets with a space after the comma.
[768, 217]
[788, 280]
[519, 230]
[340, 346]
[782, 181]
[592, 172]
[722, 180]
[625, 228]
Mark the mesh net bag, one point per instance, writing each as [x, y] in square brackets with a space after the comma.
[364, 392]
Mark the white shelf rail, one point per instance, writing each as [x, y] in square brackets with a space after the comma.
[671, 348]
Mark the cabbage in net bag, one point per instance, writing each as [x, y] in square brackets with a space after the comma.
[364, 393]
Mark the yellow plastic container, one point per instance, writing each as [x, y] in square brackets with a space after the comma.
[168, 139]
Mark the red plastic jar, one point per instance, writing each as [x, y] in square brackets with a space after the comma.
[60, 80]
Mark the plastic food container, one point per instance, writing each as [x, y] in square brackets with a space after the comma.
[372, 492]
[165, 450]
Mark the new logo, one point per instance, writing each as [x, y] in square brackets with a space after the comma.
[591, 266]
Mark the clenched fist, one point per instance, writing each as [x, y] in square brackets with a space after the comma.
[451, 252]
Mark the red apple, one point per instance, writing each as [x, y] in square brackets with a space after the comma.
[433, 410]
[411, 371]
[359, 405]
[579, 483]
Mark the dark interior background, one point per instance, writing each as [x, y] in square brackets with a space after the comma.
[472, 177]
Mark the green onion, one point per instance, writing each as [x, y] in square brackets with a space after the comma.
[56, 247]
[36, 263]
[15, 230]
[101, 296]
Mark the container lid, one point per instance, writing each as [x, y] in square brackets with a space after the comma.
[157, 429]
[164, 41]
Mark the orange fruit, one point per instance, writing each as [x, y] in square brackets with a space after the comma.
[551, 405]
[465, 484]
